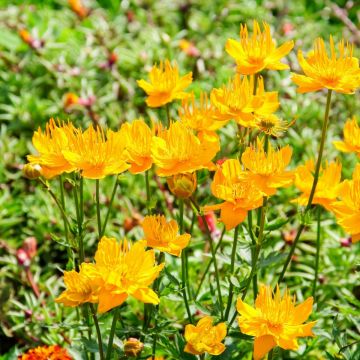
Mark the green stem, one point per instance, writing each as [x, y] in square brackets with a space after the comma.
[168, 114]
[98, 332]
[270, 355]
[112, 334]
[109, 207]
[148, 193]
[313, 188]
[98, 207]
[317, 256]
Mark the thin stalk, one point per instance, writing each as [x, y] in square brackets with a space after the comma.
[98, 207]
[270, 355]
[148, 193]
[112, 333]
[109, 207]
[168, 114]
[313, 188]
[98, 332]
[317, 256]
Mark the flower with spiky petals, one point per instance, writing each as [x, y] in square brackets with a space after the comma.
[50, 145]
[237, 101]
[95, 154]
[351, 141]
[137, 137]
[341, 74]
[52, 352]
[163, 235]
[239, 194]
[205, 337]
[275, 321]
[271, 124]
[178, 150]
[327, 188]
[253, 54]
[165, 84]
[267, 168]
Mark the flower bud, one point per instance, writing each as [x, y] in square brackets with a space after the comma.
[32, 171]
[133, 347]
[182, 185]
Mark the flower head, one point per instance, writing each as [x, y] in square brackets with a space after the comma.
[133, 347]
[53, 352]
[78, 8]
[182, 185]
[351, 141]
[275, 321]
[178, 150]
[205, 338]
[165, 84]
[70, 99]
[271, 125]
[32, 171]
[341, 74]
[253, 54]
[163, 235]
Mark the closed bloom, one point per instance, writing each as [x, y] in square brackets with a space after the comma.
[178, 150]
[182, 185]
[137, 138]
[32, 171]
[163, 235]
[52, 352]
[267, 170]
[327, 188]
[253, 54]
[339, 73]
[275, 321]
[351, 141]
[133, 347]
[205, 338]
[165, 84]
[51, 145]
[239, 194]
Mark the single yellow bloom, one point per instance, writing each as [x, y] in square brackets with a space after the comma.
[50, 145]
[165, 84]
[327, 188]
[341, 74]
[182, 185]
[239, 194]
[351, 141]
[271, 125]
[204, 337]
[178, 150]
[163, 235]
[32, 171]
[133, 347]
[137, 138]
[253, 54]
[275, 321]
[237, 101]
[95, 154]
[266, 170]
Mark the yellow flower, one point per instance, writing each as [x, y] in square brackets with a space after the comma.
[205, 338]
[137, 138]
[52, 352]
[178, 150]
[239, 195]
[165, 84]
[50, 145]
[351, 141]
[271, 125]
[163, 235]
[275, 321]
[340, 74]
[237, 101]
[266, 170]
[78, 8]
[95, 154]
[258, 52]
[182, 185]
[327, 188]
[32, 171]
[133, 347]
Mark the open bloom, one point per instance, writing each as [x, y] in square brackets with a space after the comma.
[327, 188]
[137, 139]
[351, 141]
[52, 352]
[50, 145]
[165, 84]
[204, 337]
[237, 101]
[341, 74]
[239, 194]
[253, 54]
[267, 170]
[163, 235]
[178, 150]
[275, 321]
[272, 125]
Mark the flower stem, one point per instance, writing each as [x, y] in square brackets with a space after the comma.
[112, 333]
[98, 207]
[313, 188]
[168, 114]
[148, 193]
[270, 355]
[98, 332]
[109, 207]
[317, 256]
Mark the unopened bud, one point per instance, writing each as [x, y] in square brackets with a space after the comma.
[32, 171]
[133, 347]
[182, 185]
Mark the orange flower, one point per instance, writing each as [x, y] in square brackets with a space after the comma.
[258, 52]
[26, 36]
[163, 235]
[53, 352]
[182, 185]
[340, 74]
[70, 99]
[205, 338]
[351, 141]
[78, 8]
[275, 321]
[165, 85]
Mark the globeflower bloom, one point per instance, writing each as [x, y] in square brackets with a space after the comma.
[239, 194]
[271, 125]
[182, 185]
[327, 188]
[253, 54]
[53, 352]
[341, 74]
[275, 321]
[178, 150]
[165, 84]
[204, 337]
[351, 141]
[163, 235]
